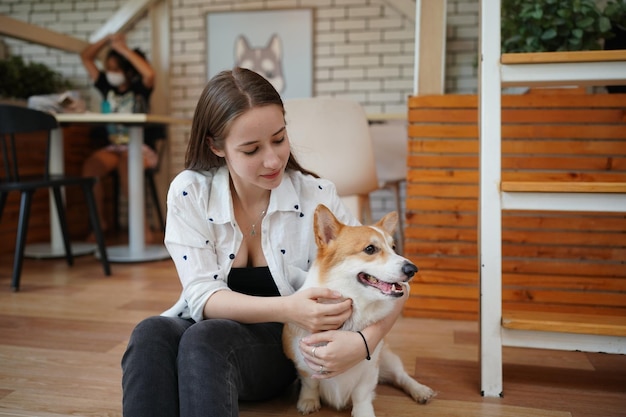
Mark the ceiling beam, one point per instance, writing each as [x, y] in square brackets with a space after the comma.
[405, 7]
[123, 19]
[32, 33]
[430, 47]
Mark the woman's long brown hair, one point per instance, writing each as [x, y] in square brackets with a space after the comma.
[225, 97]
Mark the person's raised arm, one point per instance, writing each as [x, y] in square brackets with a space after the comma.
[118, 43]
[89, 54]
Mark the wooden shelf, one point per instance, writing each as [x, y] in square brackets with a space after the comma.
[563, 187]
[588, 68]
[563, 57]
[565, 323]
[580, 68]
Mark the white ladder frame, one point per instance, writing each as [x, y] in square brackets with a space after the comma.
[493, 75]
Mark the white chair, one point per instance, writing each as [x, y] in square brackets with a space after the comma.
[331, 137]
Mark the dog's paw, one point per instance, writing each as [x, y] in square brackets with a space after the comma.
[422, 394]
[309, 405]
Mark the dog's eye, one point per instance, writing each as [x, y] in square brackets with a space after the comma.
[370, 249]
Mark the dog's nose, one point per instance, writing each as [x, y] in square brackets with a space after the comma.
[409, 269]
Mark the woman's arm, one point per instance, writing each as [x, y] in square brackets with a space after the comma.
[118, 43]
[89, 54]
[300, 308]
[344, 349]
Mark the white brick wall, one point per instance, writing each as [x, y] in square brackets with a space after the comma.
[363, 49]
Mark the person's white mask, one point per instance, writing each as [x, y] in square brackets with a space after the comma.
[115, 78]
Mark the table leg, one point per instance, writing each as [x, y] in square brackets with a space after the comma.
[136, 224]
[136, 250]
[55, 248]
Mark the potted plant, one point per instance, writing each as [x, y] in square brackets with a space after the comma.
[552, 25]
[615, 11]
[19, 80]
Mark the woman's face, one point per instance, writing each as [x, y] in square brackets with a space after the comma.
[115, 75]
[256, 148]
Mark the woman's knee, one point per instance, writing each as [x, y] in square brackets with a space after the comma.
[100, 163]
[158, 332]
[212, 334]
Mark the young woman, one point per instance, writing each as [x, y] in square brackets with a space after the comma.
[240, 232]
[125, 84]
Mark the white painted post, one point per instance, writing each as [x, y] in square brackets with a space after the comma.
[490, 218]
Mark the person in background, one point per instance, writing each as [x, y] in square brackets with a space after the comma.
[125, 83]
[240, 232]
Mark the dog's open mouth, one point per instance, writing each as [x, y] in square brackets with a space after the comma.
[394, 290]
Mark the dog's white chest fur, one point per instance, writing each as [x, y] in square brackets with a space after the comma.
[337, 392]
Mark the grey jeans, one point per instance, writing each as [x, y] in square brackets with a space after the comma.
[175, 367]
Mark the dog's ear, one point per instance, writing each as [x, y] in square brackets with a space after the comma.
[326, 225]
[389, 222]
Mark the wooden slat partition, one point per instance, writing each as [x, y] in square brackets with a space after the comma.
[552, 261]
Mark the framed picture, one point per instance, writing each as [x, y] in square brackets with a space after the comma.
[277, 44]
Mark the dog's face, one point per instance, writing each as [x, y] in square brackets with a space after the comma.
[360, 259]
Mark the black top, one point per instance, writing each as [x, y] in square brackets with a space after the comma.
[253, 281]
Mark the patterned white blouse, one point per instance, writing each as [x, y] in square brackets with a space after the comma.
[203, 237]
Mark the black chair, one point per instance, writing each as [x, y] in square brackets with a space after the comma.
[19, 120]
[151, 187]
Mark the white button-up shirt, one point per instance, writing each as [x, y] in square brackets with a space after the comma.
[202, 235]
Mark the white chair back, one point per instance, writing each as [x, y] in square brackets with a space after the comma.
[331, 137]
[390, 149]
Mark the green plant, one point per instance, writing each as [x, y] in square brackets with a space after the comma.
[615, 11]
[21, 80]
[552, 25]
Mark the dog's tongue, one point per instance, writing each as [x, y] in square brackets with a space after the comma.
[384, 287]
[391, 289]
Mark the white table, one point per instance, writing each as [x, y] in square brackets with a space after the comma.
[136, 250]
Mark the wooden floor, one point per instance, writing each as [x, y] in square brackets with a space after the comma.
[62, 337]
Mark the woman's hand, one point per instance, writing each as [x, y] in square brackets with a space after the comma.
[318, 309]
[331, 353]
[118, 42]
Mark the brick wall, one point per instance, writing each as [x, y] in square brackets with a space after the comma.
[363, 50]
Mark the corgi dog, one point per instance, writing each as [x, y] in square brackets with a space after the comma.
[361, 264]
